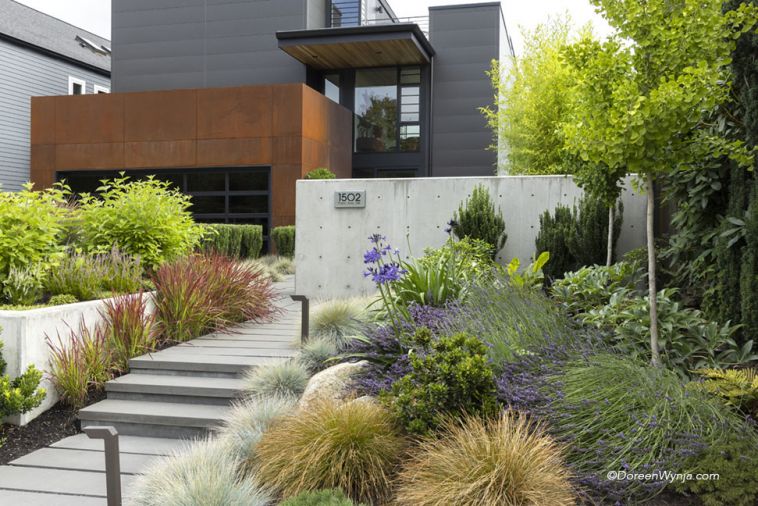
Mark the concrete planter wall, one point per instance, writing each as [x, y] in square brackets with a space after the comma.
[23, 334]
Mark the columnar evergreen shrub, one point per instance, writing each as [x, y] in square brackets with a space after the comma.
[477, 219]
[236, 241]
[554, 235]
[21, 394]
[284, 240]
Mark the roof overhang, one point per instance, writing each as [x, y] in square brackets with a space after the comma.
[359, 46]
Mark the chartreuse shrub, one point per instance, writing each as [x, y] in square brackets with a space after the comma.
[284, 240]
[146, 218]
[321, 173]
[21, 394]
[738, 387]
[278, 379]
[63, 299]
[204, 473]
[351, 446]
[473, 461]
[331, 497]
[23, 286]
[232, 240]
[449, 375]
[31, 228]
[620, 414]
[477, 219]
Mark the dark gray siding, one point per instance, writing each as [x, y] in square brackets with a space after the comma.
[466, 39]
[25, 73]
[169, 44]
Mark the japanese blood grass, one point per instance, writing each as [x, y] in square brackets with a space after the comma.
[205, 473]
[617, 414]
[351, 446]
[129, 328]
[506, 461]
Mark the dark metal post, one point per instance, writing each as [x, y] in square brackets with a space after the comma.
[304, 315]
[112, 461]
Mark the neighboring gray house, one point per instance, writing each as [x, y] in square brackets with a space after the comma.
[40, 55]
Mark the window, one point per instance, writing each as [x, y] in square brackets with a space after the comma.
[375, 110]
[76, 86]
[101, 89]
[332, 87]
[410, 108]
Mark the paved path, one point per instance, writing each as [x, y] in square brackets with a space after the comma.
[169, 396]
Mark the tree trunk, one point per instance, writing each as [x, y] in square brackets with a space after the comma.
[611, 216]
[652, 290]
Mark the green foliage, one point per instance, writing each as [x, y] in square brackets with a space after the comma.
[532, 277]
[62, 299]
[532, 97]
[31, 228]
[591, 287]
[279, 379]
[449, 375]
[236, 241]
[670, 420]
[147, 218]
[352, 446]
[321, 173]
[554, 234]
[331, 497]
[284, 240]
[477, 219]
[738, 387]
[21, 394]
[471, 259]
[23, 286]
[735, 462]
[78, 274]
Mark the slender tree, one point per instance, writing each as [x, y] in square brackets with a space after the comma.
[644, 92]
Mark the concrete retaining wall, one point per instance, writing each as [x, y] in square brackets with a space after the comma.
[23, 335]
[413, 213]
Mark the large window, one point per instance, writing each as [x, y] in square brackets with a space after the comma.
[218, 195]
[384, 123]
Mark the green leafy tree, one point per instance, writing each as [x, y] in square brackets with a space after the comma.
[642, 94]
[477, 219]
[532, 97]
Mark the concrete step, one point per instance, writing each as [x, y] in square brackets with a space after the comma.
[197, 364]
[154, 419]
[180, 389]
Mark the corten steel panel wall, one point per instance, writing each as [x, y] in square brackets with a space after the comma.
[23, 74]
[289, 127]
[171, 44]
[466, 40]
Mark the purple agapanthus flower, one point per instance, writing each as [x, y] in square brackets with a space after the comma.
[372, 256]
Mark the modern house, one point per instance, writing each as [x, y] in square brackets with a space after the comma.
[233, 101]
[40, 55]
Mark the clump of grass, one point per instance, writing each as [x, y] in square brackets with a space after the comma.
[351, 446]
[506, 461]
[315, 353]
[265, 269]
[278, 379]
[122, 272]
[283, 265]
[339, 320]
[248, 419]
[130, 329]
[86, 276]
[203, 474]
[331, 497]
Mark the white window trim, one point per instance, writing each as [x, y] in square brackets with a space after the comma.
[75, 80]
[101, 89]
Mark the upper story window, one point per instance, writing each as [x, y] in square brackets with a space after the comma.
[345, 13]
[101, 89]
[387, 110]
[76, 86]
[332, 87]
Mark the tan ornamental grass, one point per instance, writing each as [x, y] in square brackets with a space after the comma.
[351, 446]
[473, 462]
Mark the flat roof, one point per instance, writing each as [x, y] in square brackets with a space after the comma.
[380, 45]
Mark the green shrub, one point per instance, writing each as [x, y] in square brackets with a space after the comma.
[449, 375]
[78, 274]
[506, 461]
[246, 422]
[32, 228]
[284, 240]
[204, 473]
[252, 241]
[471, 258]
[147, 218]
[338, 320]
[532, 277]
[591, 287]
[22, 394]
[236, 241]
[331, 497]
[738, 387]
[321, 173]
[62, 300]
[279, 379]
[123, 273]
[429, 284]
[554, 235]
[477, 219]
[351, 446]
[315, 353]
[23, 286]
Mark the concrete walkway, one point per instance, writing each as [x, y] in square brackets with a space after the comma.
[169, 396]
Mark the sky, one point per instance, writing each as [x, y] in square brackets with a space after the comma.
[95, 15]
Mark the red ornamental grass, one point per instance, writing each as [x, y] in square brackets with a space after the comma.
[129, 328]
[202, 293]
